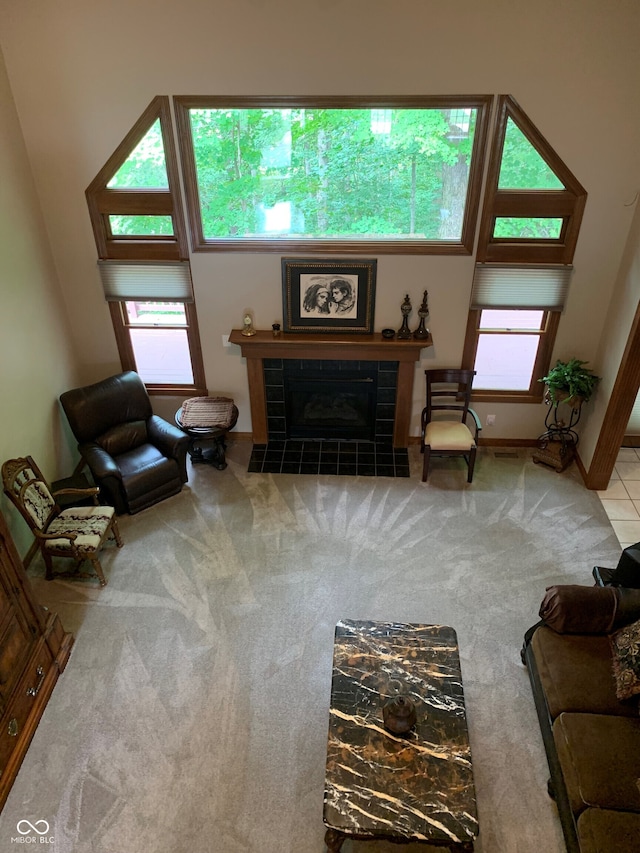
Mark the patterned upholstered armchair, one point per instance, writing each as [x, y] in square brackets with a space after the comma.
[75, 532]
[136, 457]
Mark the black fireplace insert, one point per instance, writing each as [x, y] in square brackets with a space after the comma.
[331, 404]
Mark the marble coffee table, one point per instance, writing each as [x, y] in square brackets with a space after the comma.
[415, 787]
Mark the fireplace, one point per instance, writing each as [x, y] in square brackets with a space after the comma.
[266, 354]
[368, 385]
[330, 403]
[327, 399]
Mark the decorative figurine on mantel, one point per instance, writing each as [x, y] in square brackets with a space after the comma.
[404, 332]
[247, 326]
[422, 333]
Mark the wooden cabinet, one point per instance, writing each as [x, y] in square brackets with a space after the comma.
[34, 649]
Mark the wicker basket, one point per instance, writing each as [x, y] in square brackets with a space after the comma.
[219, 412]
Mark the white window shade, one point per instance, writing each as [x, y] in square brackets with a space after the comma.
[146, 281]
[521, 286]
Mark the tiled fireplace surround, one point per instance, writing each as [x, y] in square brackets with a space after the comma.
[275, 369]
[392, 363]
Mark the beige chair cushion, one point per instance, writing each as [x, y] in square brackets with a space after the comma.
[448, 435]
[89, 522]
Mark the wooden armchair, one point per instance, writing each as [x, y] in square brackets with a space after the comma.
[444, 429]
[76, 532]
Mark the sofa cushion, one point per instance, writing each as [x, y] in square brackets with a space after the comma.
[576, 674]
[575, 609]
[625, 645]
[605, 831]
[599, 759]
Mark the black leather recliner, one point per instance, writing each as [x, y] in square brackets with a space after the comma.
[136, 457]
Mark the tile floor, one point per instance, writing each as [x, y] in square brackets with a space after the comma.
[366, 458]
[621, 500]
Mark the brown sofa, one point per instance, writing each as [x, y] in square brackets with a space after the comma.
[136, 457]
[576, 658]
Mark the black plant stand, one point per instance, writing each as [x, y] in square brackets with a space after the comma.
[557, 445]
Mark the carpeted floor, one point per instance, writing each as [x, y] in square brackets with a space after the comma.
[192, 715]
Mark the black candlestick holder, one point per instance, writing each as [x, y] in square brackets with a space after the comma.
[422, 333]
[404, 332]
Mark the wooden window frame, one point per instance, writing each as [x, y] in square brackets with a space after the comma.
[121, 326]
[103, 202]
[567, 204]
[183, 103]
[547, 335]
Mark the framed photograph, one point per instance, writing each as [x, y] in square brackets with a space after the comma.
[328, 296]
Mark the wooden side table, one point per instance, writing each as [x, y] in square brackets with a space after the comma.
[215, 454]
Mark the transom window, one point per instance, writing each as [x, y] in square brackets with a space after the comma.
[269, 174]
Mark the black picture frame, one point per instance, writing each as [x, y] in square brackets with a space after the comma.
[328, 296]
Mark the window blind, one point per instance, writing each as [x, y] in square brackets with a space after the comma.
[521, 286]
[146, 281]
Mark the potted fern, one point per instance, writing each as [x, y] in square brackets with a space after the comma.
[569, 382]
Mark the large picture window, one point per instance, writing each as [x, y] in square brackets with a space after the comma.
[354, 175]
[331, 174]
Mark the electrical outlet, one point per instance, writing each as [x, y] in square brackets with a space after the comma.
[491, 420]
[225, 341]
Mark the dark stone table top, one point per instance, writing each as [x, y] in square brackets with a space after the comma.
[417, 786]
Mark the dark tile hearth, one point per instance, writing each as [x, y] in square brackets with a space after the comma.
[319, 456]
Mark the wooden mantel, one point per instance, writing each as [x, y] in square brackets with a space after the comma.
[330, 347]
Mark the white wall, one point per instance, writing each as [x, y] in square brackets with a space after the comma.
[82, 73]
[616, 332]
[35, 342]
